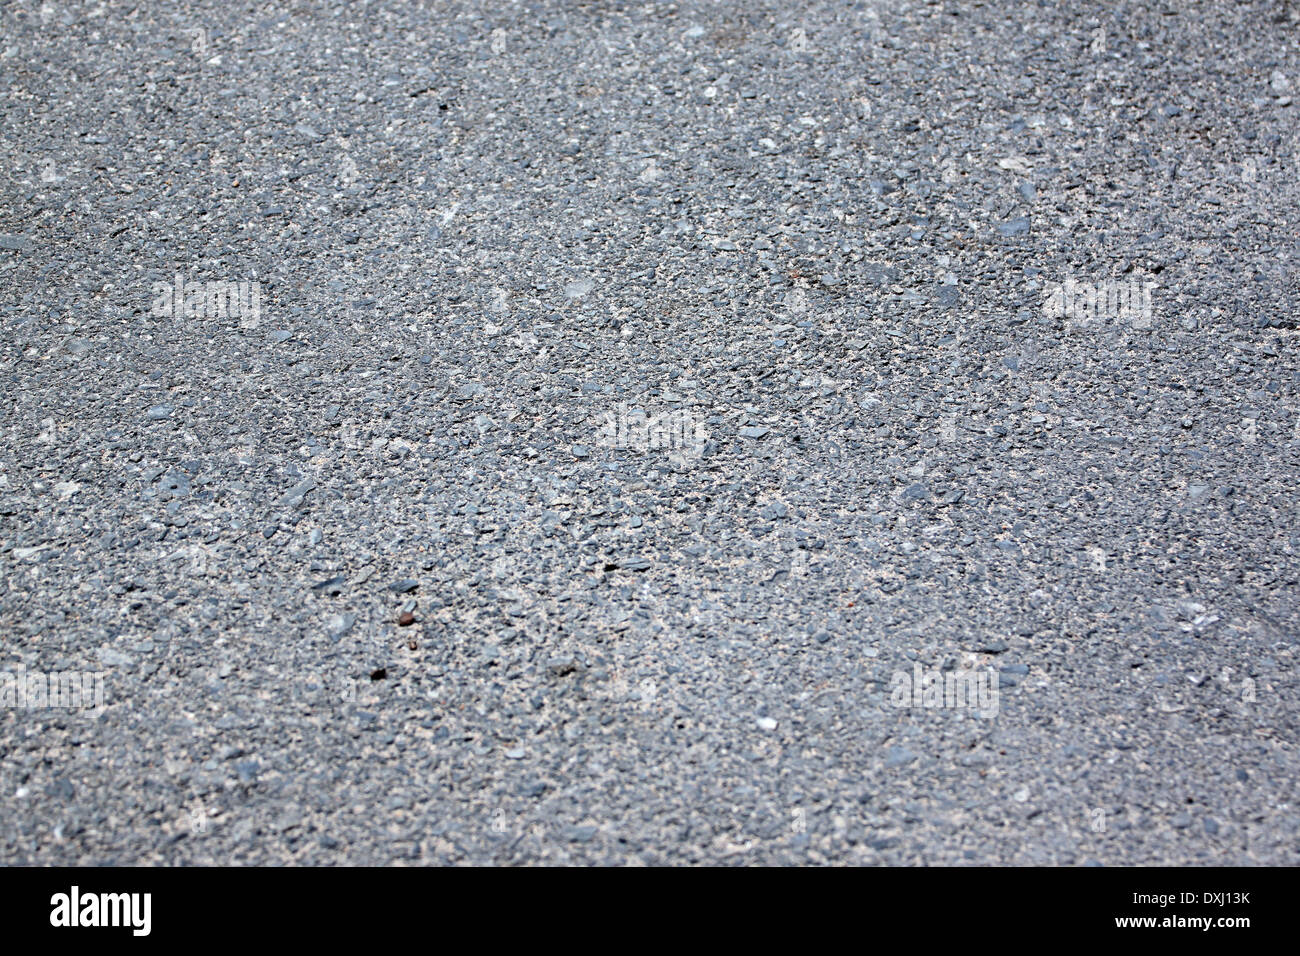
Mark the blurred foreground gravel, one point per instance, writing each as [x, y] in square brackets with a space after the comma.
[625, 397]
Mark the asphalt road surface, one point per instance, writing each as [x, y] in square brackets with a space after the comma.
[649, 433]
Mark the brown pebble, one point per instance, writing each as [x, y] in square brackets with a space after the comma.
[406, 619]
[413, 646]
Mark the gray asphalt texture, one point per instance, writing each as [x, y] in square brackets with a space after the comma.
[820, 233]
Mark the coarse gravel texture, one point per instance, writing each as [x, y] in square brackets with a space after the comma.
[816, 239]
